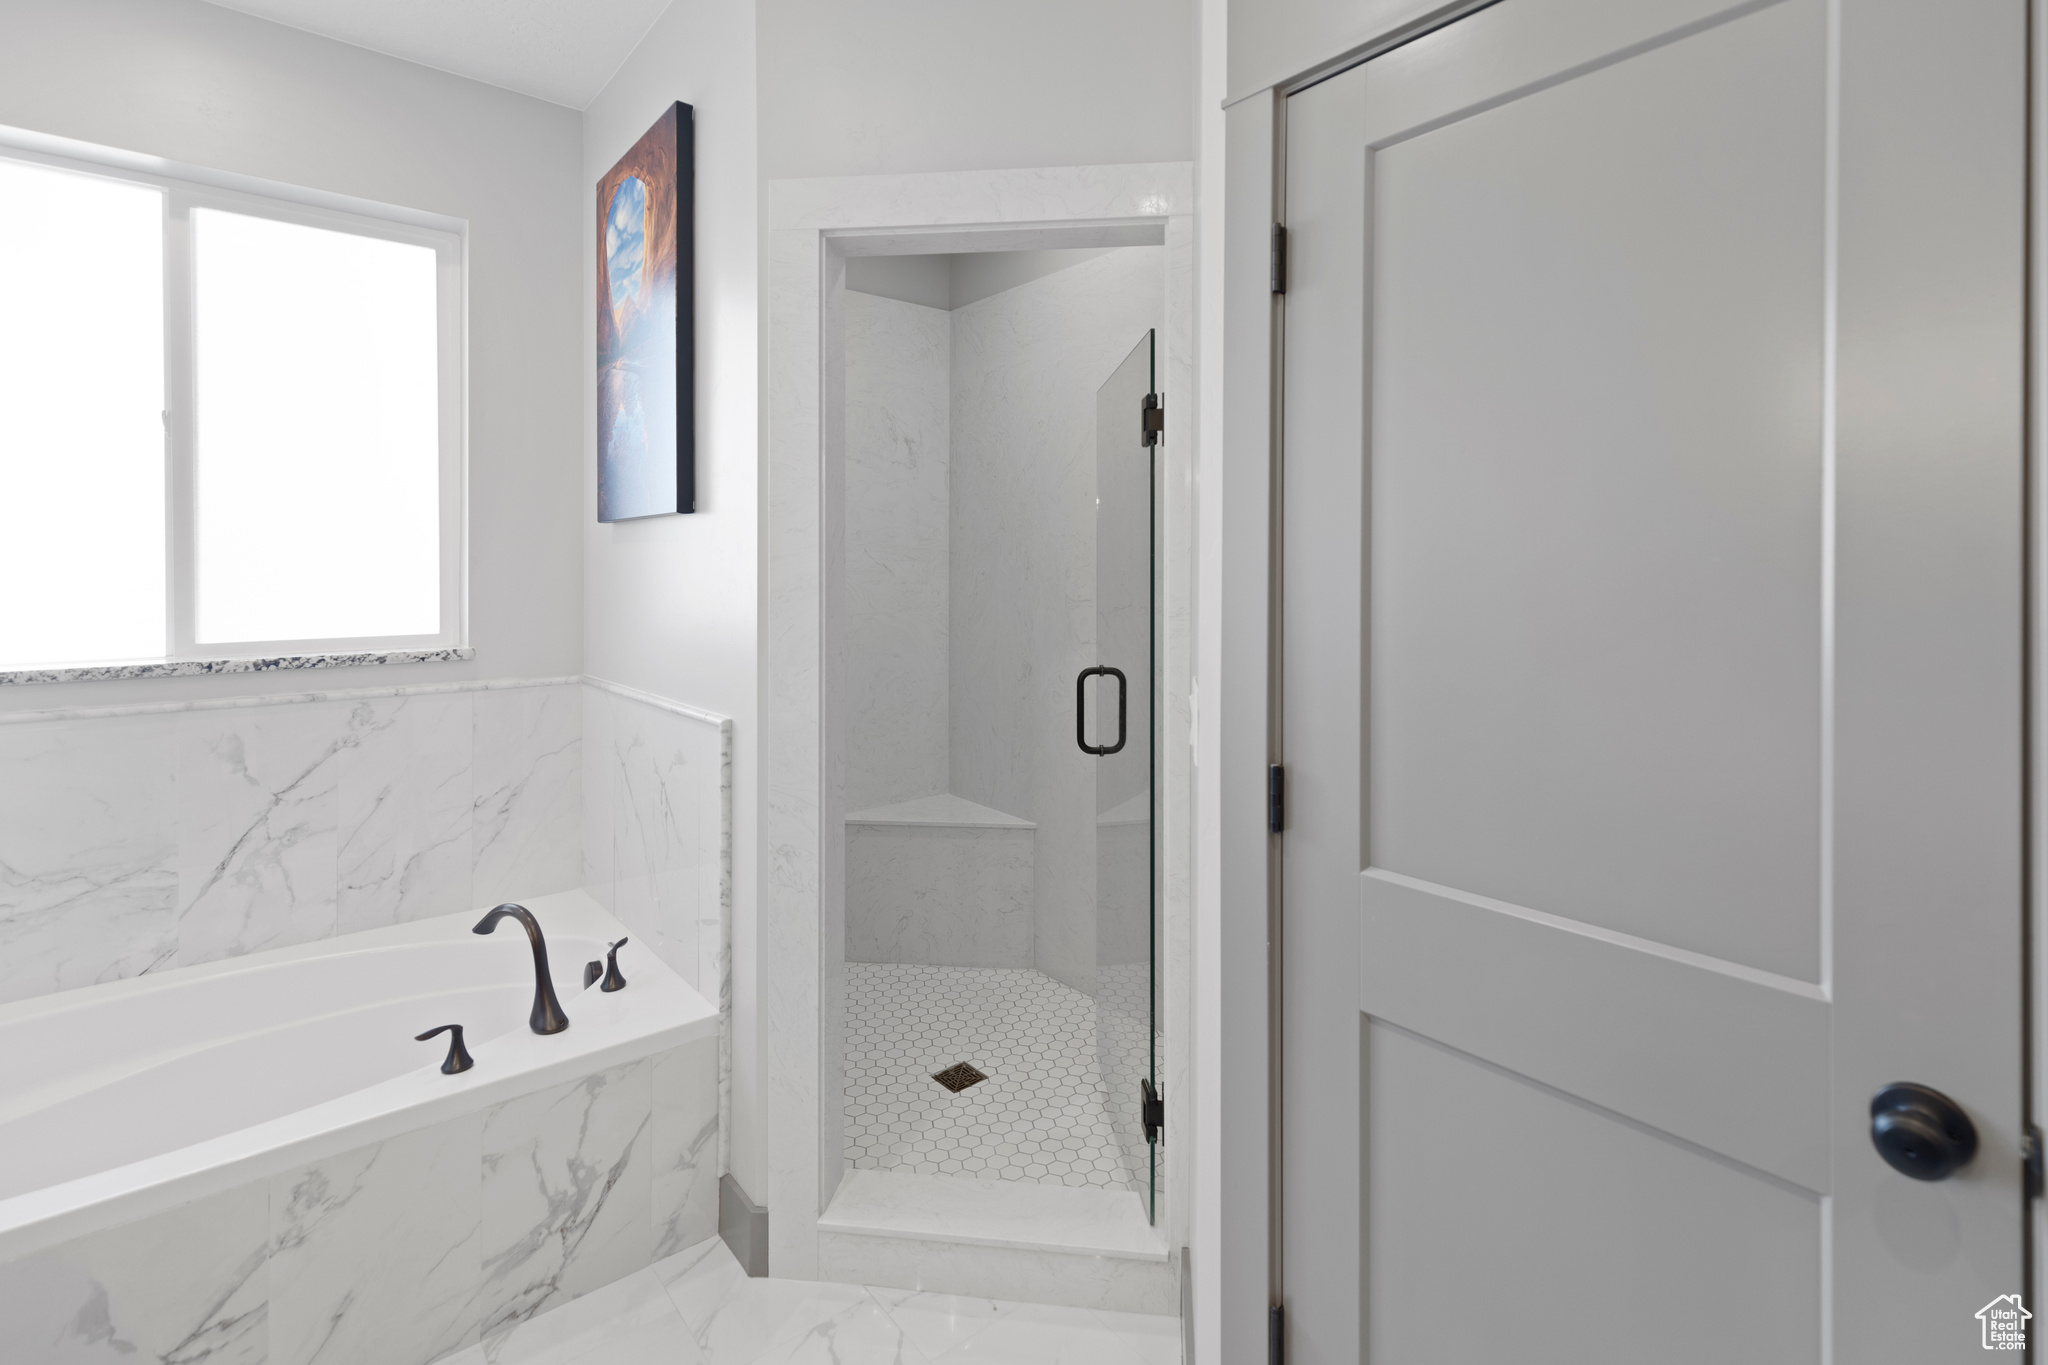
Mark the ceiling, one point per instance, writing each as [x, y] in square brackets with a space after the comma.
[563, 51]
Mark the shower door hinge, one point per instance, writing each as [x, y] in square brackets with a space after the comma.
[1151, 420]
[1152, 1111]
[2030, 1156]
[1279, 258]
[1276, 799]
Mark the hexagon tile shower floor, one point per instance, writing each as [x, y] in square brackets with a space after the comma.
[1041, 1114]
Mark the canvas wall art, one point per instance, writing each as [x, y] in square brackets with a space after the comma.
[646, 451]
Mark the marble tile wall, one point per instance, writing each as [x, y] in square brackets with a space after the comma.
[897, 566]
[657, 839]
[134, 842]
[398, 1252]
[1025, 367]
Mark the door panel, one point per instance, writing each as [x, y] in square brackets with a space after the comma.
[1649, 694]
[1508, 51]
[1606, 1019]
[1480, 1238]
[1596, 467]
[1927, 654]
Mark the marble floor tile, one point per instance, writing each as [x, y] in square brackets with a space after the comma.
[715, 1315]
[1155, 1340]
[861, 1332]
[576, 1328]
[1043, 1113]
[735, 1318]
[664, 1340]
[1037, 1335]
[699, 1277]
[936, 1323]
[754, 1316]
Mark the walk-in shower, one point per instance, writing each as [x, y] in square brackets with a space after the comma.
[998, 662]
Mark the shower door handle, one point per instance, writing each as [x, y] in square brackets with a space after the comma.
[1081, 709]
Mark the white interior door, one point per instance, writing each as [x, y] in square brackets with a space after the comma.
[1651, 683]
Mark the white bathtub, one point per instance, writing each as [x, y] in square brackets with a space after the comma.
[123, 1104]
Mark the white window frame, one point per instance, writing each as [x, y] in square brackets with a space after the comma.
[184, 189]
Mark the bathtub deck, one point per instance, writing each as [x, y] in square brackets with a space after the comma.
[699, 1308]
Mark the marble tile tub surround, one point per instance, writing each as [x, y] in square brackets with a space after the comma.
[699, 1308]
[657, 840]
[400, 1251]
[136, 838]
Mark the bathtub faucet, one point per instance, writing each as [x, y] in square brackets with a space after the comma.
[547, 1016]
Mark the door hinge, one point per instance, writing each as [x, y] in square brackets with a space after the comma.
[1151, 420]
[1152, 1111]
[1279, 258]
[2030, 1155]
[1276, 1335]
[1276, 799]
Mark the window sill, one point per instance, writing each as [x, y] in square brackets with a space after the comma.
[185, 668]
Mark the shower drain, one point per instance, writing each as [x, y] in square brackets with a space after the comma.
[958, 1077]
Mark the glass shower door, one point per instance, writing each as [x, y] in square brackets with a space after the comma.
[1121, 708]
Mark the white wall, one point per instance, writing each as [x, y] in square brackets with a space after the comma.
[671, 603]
[193, 827]
[209, 87]
[898, 360]
[1026, 365]
[936, 85]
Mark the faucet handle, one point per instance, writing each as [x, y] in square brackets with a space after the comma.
[458, 1055]
[613, 981]
[592, 970]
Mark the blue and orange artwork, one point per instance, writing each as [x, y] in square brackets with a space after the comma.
[645, 418]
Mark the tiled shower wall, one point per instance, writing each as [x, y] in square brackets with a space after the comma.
[897, 556]
[1026, 364]
[132, 840]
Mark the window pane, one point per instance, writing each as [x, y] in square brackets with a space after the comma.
[81, 418]
[318, 459]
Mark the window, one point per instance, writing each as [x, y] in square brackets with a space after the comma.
[230, 424]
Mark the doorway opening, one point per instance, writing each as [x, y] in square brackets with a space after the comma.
[998, 665]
